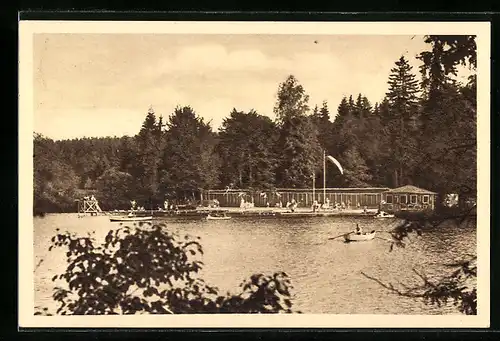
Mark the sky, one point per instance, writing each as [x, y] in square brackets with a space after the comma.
[103, 84]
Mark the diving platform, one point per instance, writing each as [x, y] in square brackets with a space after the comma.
[88, 206]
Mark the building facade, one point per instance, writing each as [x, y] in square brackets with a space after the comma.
[349, 197]
[405, 198]
[408, 198]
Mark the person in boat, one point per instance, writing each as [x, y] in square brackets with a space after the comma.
[359, 230]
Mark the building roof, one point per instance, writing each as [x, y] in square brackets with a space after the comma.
[410, 189]
[302, 190]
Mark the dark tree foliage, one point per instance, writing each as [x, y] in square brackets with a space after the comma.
[322, 121]
[189, 161]
[400, 121]
[149, 146]
[447, 140]
[300, 152]
[421, 135]
[448, 51]
[55, 183]
[149, 269]
[299, 148]
[355, 134]
[247, 149]
[116, 189]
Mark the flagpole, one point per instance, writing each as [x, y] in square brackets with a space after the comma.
[314, 184]
[324, 176]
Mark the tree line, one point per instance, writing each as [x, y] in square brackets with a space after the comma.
[423, 132]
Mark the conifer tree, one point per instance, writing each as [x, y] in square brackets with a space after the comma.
[402, 99]
[148, 144]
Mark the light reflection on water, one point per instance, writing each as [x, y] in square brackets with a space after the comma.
[326, 274]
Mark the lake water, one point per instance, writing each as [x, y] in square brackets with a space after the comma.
[326, 274]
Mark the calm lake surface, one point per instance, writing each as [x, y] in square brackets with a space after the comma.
[326, 274]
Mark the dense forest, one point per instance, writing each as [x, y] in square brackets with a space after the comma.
[423, 133]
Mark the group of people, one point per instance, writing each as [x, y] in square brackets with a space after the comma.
[91, 198]
[246, 204]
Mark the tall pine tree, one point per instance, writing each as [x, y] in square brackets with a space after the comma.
[149, 147]
[399, 125]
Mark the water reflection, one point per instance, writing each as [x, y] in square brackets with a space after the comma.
[326, 274]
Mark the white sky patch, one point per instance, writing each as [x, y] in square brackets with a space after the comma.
[100, 75]
[78, 123]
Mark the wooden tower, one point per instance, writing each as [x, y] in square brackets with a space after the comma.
[88, 205]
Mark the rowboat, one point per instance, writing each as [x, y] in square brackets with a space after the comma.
[354, 237]
[384, 215]
[115, 219]
[223, 217]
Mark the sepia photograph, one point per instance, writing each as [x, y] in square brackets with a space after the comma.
[254, 174]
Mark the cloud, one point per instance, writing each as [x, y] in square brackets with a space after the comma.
[120, 78]
[215, 57]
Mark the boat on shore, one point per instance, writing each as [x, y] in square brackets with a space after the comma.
[383, 214]
[133, 218]
[355, 237]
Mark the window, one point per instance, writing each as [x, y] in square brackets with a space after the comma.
[425, 199]
[388, 198]
[413, 199]
[403, 198]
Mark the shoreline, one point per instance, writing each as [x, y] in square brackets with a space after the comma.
[253, 212]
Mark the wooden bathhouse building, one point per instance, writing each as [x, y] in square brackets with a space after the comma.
[351, 197]
[408, 198]
[405, 198]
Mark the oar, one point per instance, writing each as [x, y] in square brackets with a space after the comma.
[384, 239]
[340, 235]
[343, 234]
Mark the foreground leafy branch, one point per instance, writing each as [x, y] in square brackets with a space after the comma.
[149, 269]
[458, 287]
